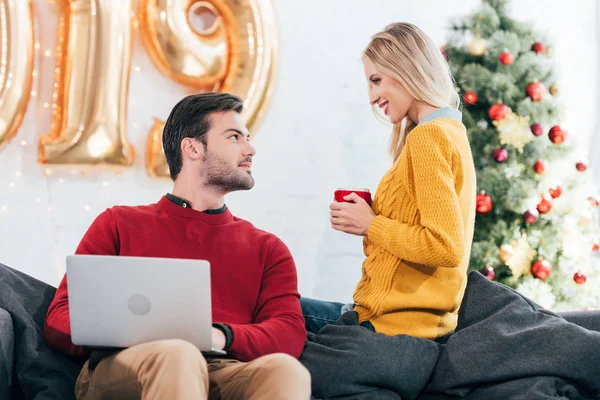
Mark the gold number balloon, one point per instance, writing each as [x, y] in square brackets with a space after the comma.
[92, 77]
[234, 51]
[16, 65]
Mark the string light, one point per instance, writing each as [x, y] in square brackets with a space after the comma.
[46, 105]
[11, 185]
[137, 68]
[23, 143]
[48, 53]
[87, 207]
[105, 184]
[33, 93]
[61, 180]
[18, 173]
[34, 73]
[3, 208]
[37, 45]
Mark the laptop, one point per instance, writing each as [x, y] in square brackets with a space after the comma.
[119, 301]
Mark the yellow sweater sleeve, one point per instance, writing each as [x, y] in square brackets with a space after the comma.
[439, 239]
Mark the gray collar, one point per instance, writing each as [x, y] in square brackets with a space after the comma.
[444, 112]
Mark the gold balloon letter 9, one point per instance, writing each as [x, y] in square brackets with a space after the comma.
[16, 65]
[218, 45]
[92, 76]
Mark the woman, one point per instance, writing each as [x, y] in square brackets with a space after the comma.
[418, 233]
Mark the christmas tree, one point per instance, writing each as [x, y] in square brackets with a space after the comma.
[536, 228]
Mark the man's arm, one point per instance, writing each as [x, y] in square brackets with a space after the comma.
[101, 239]
[278, 325]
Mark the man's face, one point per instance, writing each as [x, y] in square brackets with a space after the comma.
[228, 156]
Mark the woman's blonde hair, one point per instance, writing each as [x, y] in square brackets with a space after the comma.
[405, 53]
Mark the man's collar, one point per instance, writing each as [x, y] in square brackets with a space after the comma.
[186, 204]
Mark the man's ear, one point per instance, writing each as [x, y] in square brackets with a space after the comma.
[192, 149]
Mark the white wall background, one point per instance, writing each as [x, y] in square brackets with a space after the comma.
[319, 134]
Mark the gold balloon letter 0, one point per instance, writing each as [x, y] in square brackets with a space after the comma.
[16, 65]
[92, 77]
[218, 45]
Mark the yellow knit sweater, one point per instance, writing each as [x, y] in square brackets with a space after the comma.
[418, 246]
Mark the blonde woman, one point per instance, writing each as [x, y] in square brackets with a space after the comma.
[418, 233]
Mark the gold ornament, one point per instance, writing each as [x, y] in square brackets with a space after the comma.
[195, 59]
[514, 131]
[156, 163]
[237, 54]
[506, 252]
[93, 57]
[477, 47]
[16, 53]
[553, 89]
[520, 262]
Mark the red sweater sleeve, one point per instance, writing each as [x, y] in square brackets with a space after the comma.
[101, 239]
[278, 323]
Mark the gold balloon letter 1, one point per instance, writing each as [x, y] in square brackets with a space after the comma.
[92, 77]
[16, 65]
[217, 45]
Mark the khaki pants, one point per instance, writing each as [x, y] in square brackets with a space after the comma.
[176, 370]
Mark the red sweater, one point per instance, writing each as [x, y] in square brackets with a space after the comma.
[253, 277]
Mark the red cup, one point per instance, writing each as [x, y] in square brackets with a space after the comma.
[339, 194]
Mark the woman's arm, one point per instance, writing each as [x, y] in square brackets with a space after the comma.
[439, 239]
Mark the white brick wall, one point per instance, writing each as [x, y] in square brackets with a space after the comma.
[319, 134]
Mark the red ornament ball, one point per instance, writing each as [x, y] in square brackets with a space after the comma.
[537, 129]
[538, 47]
[535, 91]
[579, 278]
[545, 205]
[497, 112]
[581, 166]
[539, 167]
[506, 58]
[556, 191]
[489, 272]
[470, 98]
[595, 245]
[531, 216]
[594, 202]
[541, 269]
[500, 155]
[557, 135]
[483, 203]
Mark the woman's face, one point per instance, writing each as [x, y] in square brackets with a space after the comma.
[387, 93]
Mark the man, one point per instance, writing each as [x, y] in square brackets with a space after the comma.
[254, 283]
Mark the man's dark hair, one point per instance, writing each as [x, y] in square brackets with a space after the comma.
[190, 118]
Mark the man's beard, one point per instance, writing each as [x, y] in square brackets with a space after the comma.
[222, 175]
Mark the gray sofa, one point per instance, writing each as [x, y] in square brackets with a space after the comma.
[29, 369]
[7, 341]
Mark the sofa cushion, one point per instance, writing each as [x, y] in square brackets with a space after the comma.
[40, 372]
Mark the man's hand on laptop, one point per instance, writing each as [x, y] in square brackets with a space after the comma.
[218, 339]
